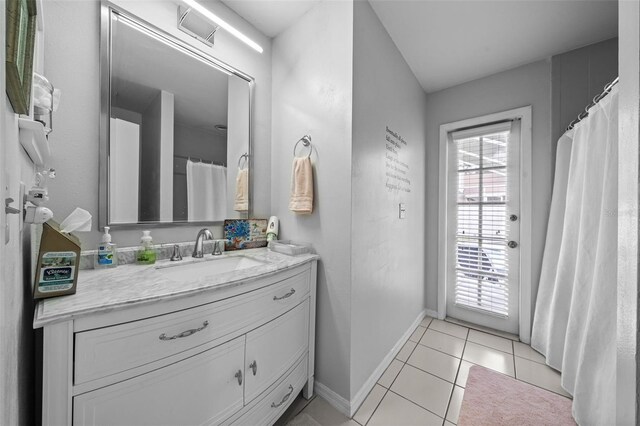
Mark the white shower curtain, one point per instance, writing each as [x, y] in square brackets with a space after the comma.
[575, 317]
[206, 192]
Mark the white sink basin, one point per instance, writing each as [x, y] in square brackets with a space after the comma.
[202, 268]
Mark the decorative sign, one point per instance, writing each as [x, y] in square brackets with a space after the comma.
[396, 170]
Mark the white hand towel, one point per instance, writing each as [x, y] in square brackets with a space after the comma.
[301, 200]
[241, 203]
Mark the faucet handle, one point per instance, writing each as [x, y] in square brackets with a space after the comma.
[216, 248]
[176, 253]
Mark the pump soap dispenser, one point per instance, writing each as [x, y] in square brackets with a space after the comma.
[272, 228]
[146, 254]
[107, 256]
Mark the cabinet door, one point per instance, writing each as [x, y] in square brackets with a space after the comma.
[202, 390]
[273, 348]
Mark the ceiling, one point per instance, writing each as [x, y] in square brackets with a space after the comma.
[271, 17]
[447, 43]
[451, 42]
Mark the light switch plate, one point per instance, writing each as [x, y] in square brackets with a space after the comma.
[402, 211]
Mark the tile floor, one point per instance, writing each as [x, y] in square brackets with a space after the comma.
[424, 385]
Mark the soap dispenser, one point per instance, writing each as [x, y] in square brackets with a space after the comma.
[107, 256]
[146, 254]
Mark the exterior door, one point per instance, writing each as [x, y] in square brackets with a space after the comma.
[483, 225]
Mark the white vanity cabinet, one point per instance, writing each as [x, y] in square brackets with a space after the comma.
[237, 355]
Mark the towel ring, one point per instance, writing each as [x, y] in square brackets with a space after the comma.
[246, 160]
[306, 141]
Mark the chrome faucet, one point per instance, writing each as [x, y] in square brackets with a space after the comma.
[204, 234]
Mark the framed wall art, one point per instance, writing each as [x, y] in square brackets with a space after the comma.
[21, 32]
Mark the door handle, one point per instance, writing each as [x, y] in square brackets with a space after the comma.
[512, 244]
[254, 367]
[238, 376]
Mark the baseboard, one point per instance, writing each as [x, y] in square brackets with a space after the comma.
[338, 402]
[431, 313]
[360, 396]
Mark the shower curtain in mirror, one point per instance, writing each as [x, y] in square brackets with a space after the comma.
[206, 192]
[575, 317]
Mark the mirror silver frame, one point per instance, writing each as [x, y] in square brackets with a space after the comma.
[106, 11]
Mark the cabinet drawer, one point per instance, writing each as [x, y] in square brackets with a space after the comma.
[105, 351]
[199, 390]
[272, 405]
[274, 348]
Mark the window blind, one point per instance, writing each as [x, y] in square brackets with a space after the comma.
[482, 267]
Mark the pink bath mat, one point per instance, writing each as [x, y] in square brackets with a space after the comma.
[494, 399]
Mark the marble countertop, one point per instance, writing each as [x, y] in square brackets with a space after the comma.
[130, 285]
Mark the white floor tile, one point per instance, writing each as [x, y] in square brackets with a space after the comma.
[323, 413]
[495, 342]
[417, 334]
[539, 375]
[526, 351]
[448, 328]
[485, 329]
[406, 350]
[390, 373]
[395, 410]
[463, 373]
[424, 389]
[294, 409]
[435, 362]
[369, 405]
[443, 342]
[426, 321]
[454, 406]
[488, 357]
[448, 423]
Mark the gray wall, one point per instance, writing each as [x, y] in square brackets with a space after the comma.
[526, 85]
[627, 371]
[312, 94]
[76, 135]
[578, 76]
[150, 148]
[18, 392]
[387, 256]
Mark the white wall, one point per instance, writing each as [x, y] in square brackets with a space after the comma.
[312, 94]
[72, 64]
[526, 85]
[387, 256]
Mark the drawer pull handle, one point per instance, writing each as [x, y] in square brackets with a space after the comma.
[238, 376]
[186, 333]
[254, 367]
[285, 296]
[284, 398]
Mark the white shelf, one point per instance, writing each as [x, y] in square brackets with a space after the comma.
[34, 140]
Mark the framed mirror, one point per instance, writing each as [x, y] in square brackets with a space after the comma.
[175, 139]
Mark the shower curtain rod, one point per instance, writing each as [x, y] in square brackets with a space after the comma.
[595, 100]
[193, 159]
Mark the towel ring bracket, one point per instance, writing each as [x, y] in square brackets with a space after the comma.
[306, 141]
[246, 160]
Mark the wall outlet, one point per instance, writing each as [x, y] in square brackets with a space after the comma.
[402, 211]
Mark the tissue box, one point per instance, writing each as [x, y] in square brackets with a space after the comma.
[58, 263]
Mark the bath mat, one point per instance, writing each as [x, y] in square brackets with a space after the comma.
[494, 399]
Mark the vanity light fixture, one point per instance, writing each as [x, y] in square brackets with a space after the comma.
[222, 23]
[133, 24]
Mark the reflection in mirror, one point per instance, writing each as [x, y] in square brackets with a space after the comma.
[178, 130]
